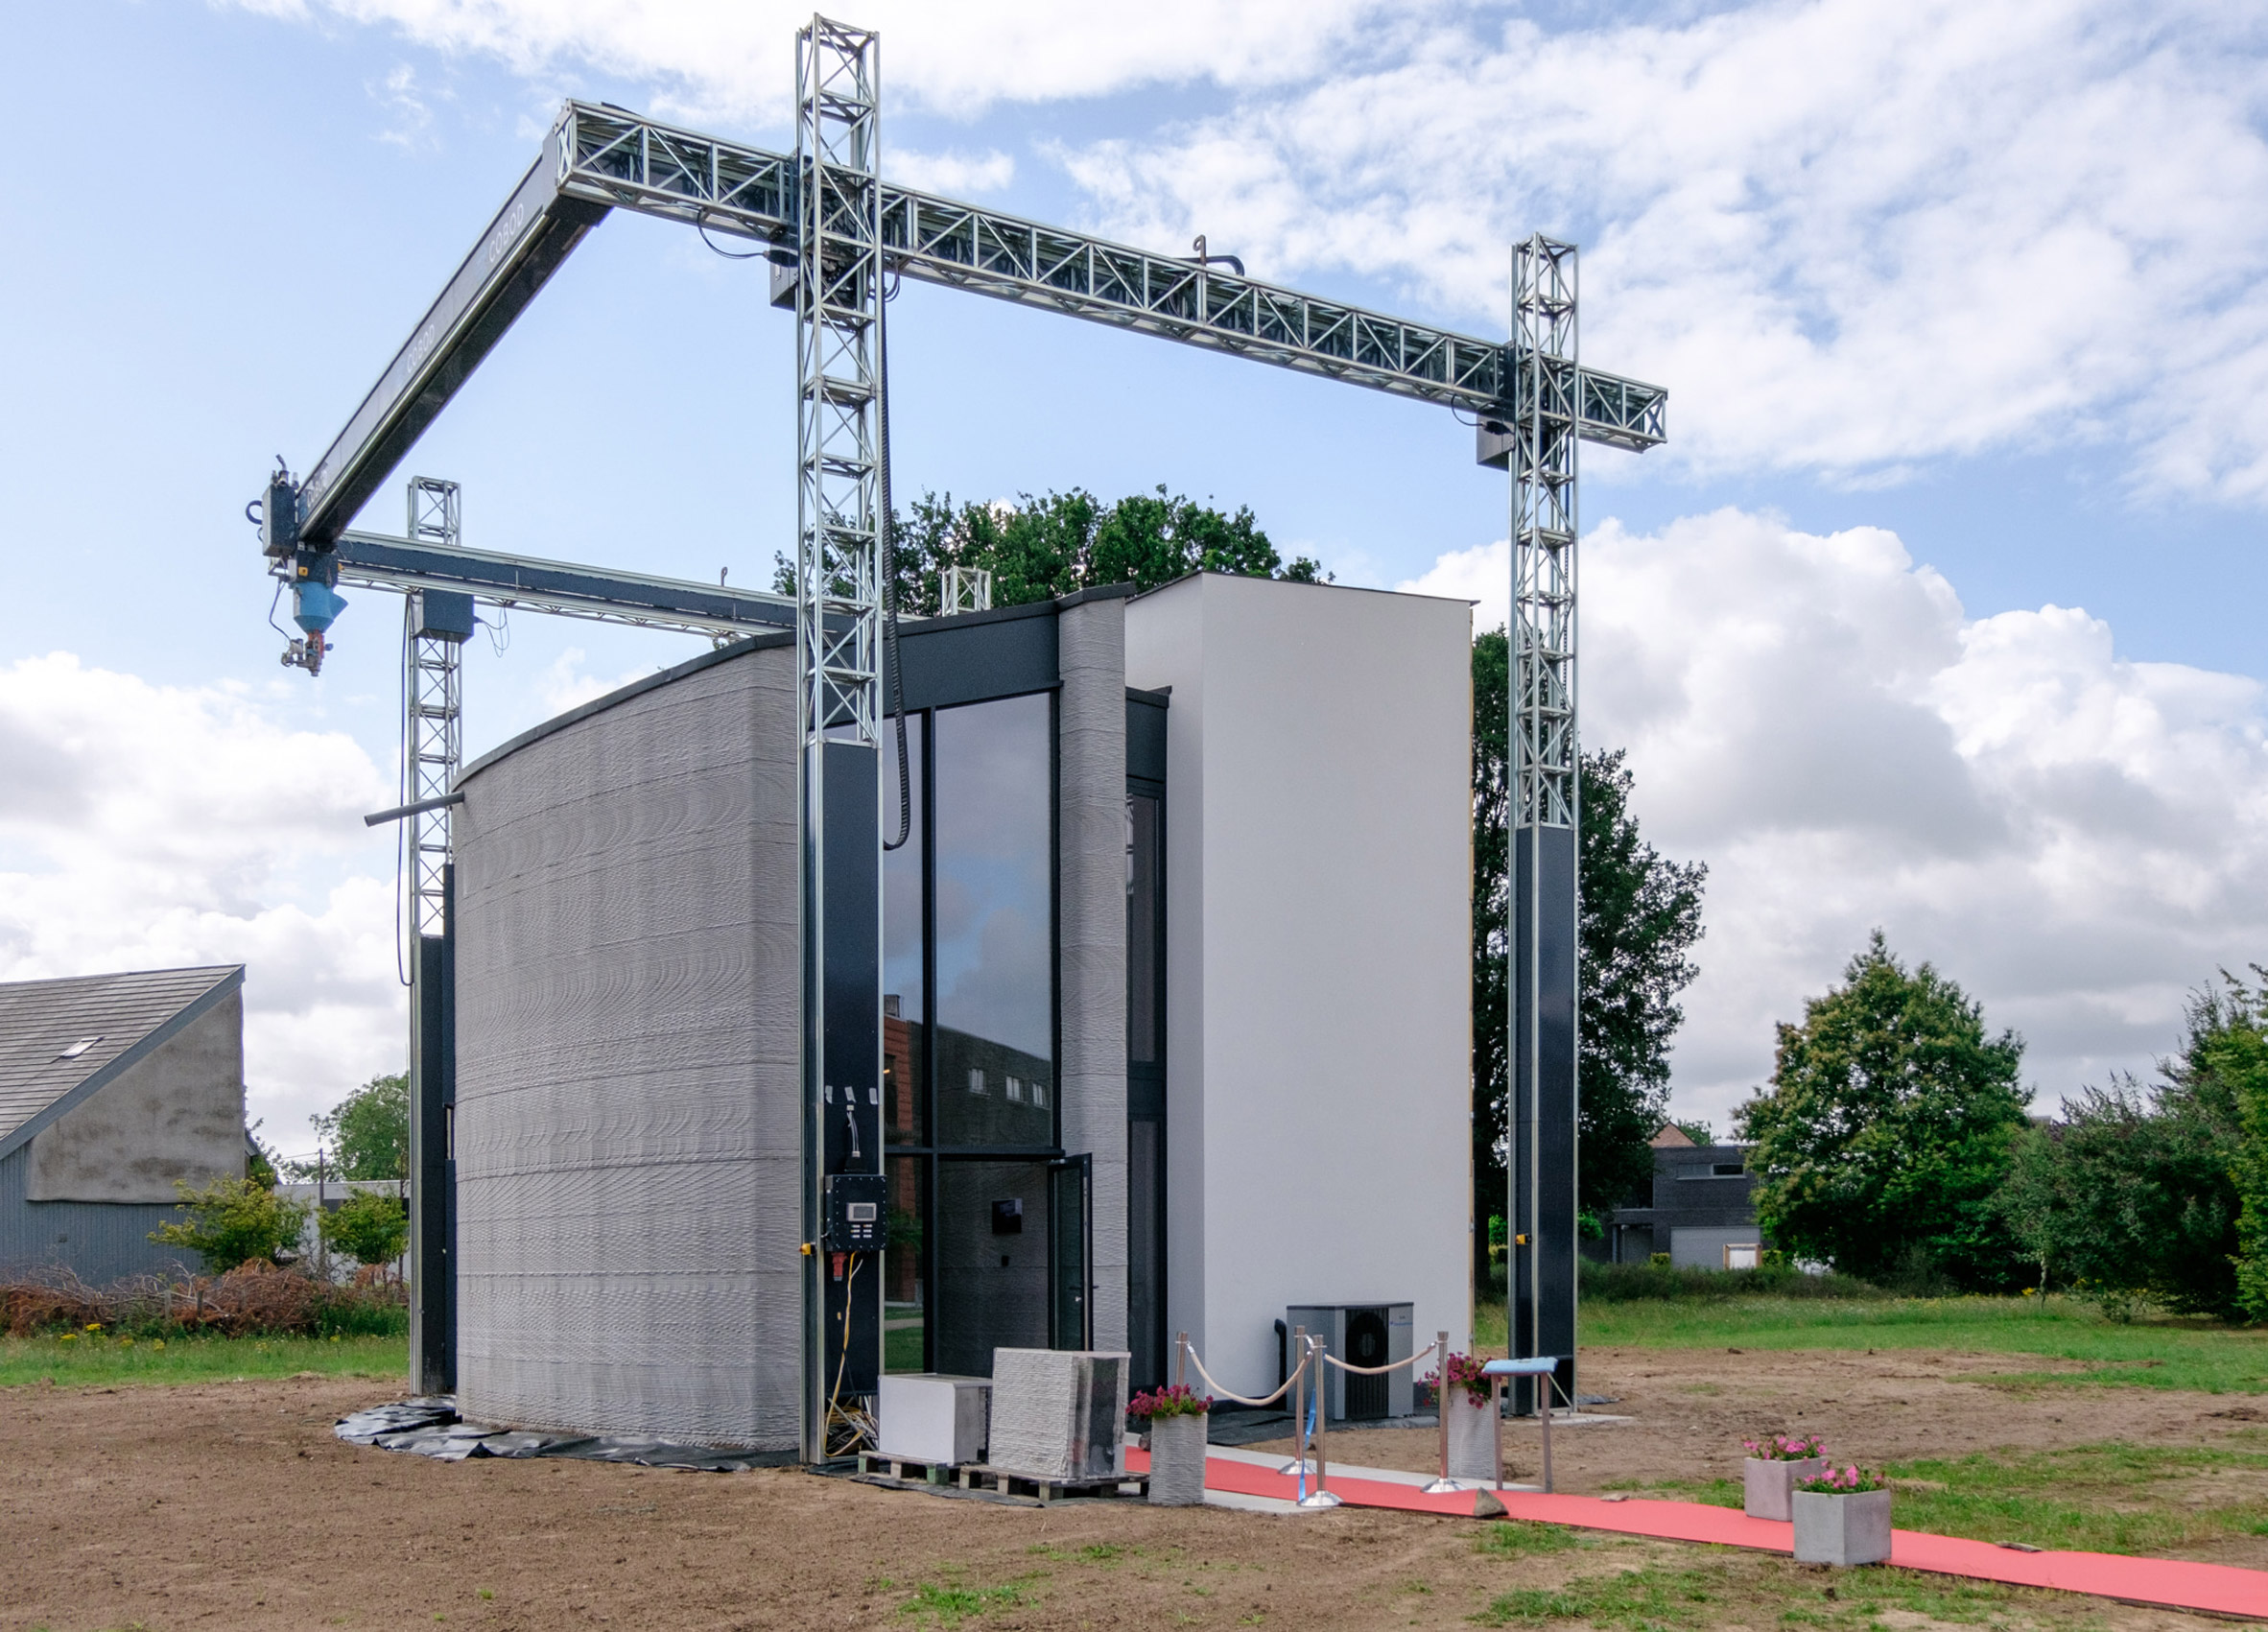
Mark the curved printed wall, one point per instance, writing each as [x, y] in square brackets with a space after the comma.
[628, 1148]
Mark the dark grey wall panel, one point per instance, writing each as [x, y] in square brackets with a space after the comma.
[628, 1141]
[978, 655]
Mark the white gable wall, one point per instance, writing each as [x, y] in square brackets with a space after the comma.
[1318, 866]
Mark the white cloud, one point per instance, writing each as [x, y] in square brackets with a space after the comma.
[2077, 838]
[1846, 234]
[734, 59]
[564, 685]
[148, 826]
[957, 176]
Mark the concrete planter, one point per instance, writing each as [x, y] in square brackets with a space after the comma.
[1177, 1460]
[1472, 1438]
[1765, 1485]
[1842, 1529]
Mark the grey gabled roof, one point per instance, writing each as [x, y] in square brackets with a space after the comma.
[131, 1015]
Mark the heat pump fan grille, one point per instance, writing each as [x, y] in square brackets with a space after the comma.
[1366, 1345]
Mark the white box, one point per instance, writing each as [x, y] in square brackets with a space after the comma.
[1059, 1413]
[930, 1417]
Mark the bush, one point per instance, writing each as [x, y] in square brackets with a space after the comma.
[369, 1227]
[1659, 1279]
[232, 1221]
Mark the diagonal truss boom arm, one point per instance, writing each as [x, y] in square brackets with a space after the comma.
[599, 158]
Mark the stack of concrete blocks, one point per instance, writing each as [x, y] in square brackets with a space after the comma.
[933, 1418]
[1059, 1413]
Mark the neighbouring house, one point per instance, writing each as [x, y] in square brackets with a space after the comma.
[1703, 1211]
[112, 1087]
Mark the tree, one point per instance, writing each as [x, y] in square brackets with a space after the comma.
[369, 1227]
[1888, 1128]
[232, 1221]
[1641, 915]
[367, 1133]
[1042, 547]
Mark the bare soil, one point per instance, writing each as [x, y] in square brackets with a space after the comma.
[232, 1505]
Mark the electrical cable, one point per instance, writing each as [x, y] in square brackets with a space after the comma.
[890, 563]
[843, 1365]
[273, 602]
[700, 224]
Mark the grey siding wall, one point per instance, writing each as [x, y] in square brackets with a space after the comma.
[1091, 809]
[628, 1144]
[101, 1241]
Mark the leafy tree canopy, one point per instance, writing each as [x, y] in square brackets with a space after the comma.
[1041, 547]
[1640, 919]
[369, 1227]
[232, 1221]
[1888, 1128]
[365, 1135]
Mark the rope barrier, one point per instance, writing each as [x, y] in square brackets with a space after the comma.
[1297, 1372]
[1375, 1370]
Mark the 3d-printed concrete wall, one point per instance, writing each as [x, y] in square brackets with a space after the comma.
[627, 1133]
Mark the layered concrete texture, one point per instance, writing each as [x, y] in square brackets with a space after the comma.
[628, 1140]
[1318, 922]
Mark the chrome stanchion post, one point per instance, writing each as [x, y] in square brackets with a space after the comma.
[1181, 1360]
[1444, 1485]
[1319, 1497]
[1299, 1406]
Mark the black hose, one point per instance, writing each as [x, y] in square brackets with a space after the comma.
[889, 566]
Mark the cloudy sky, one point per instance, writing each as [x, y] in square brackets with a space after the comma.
[1939, 612]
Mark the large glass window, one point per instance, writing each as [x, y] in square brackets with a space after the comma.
[993, 769]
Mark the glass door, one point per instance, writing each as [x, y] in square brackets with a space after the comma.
[1070, 1216]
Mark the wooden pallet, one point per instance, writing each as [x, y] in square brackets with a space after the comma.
[979, 1475]
[904, 1469]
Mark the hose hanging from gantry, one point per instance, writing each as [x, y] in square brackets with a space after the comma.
[889, 552]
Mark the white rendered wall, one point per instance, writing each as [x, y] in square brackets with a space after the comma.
[1319, 911]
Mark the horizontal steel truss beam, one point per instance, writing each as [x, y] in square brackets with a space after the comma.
[622, 161]
[600, 158]
[603, 595]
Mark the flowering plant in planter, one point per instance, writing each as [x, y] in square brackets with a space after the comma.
[1463, 1371]
[1843, 1481]
[1173, 1400]
[1786, 1447]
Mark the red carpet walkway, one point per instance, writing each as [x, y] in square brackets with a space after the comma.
[2216, 1589]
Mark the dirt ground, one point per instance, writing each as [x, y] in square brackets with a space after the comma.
[233, 1506]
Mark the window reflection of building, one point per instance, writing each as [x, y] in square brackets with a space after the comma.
[968, 914]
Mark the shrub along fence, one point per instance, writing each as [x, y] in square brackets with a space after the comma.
[1633, 1283]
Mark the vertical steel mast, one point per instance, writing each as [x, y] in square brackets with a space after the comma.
[838, 579]
[432, 743]
[1545, 814]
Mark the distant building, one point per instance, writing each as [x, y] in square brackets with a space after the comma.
[111, 1088]
[1702, 1213]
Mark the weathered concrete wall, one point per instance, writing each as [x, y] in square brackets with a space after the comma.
[628, 1138]
[177, 1115]
[1091, 811]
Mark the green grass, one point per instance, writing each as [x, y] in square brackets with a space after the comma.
[1656, 1598]
[93, 1358]
[950, 1603]
[2107, 1498]
[2165, 1353]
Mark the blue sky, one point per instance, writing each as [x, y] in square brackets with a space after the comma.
[1991, 285]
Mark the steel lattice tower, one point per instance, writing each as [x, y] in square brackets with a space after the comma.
[838, 605]
[1542, 762]
[433, 742]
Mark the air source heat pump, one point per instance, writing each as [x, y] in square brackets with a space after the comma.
[1360, 1334]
